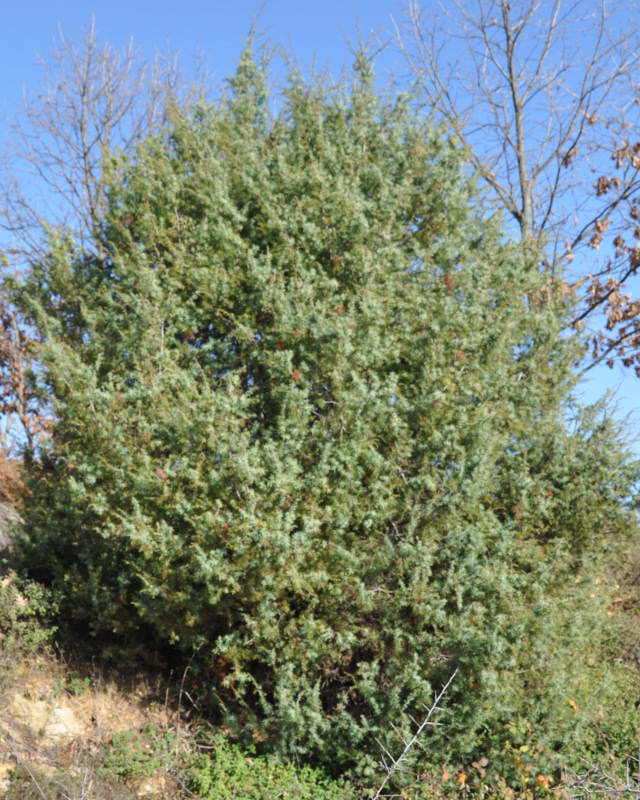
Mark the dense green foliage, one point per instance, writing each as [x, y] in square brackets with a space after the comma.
[311, 424]
[132, 754]
[27, 610]
[230, 773]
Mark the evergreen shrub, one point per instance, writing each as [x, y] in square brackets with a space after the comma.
[312, 426]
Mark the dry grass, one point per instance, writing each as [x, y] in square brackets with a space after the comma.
[41, 760]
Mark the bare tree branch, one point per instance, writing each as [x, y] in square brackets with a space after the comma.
[534, 91]
[94, 98]
[390, 764]
[596, 781]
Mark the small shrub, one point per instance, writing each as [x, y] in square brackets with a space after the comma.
[233, 773]
[131, 755]
[73, 686]
[27, 610]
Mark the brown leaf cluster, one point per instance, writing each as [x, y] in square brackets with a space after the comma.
[12, 488]
[23, 418]
[608, 293]
[621, 336]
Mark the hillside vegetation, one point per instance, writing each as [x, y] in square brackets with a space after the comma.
[314, 448]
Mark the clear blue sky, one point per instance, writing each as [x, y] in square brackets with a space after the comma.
[218, 28]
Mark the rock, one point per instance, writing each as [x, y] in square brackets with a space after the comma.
[50, 723]
[61, 724]
[9, 519]
[31, 713]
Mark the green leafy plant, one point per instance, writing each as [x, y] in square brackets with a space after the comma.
[314, 430]
[73, 685]
[231, 772]
[133, 755]
[27, 611]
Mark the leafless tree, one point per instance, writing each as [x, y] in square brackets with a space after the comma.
[542, 94]
[93, 98]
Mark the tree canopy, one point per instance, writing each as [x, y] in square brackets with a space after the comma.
[544, 97]
[311, 426]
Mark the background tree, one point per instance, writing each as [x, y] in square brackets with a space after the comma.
[310, 430]
[23, 413]
[93, 98]
[541, 92]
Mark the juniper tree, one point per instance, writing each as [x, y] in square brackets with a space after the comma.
[311, 424]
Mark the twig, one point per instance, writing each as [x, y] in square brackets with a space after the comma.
[395, 763]
[33, 778]
[597, 781]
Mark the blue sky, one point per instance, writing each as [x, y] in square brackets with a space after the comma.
[219, 29]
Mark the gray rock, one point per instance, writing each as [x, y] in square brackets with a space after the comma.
[9, 519]
[61, 724]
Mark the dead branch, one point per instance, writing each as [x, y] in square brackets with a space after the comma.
[597, 781]
[390, 764]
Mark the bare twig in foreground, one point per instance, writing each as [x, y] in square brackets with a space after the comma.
[596, 781]
[392, 765]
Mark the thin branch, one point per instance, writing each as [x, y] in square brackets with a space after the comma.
[396, 763]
